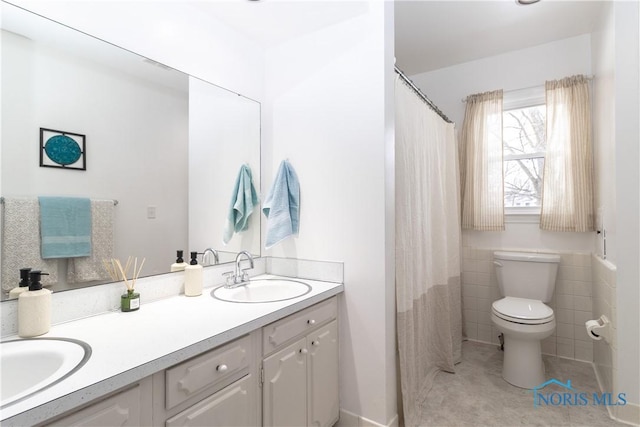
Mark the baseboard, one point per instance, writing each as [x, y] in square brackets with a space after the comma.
[628, 414]
[349, 419]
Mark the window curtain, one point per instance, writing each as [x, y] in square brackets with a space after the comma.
[428, 296]
[481, 163]
[567, 190]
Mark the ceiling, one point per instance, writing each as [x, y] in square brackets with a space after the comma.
[271, 22]
[435, 34]
[428, 34]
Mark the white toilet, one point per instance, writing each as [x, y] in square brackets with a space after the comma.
[526, 280]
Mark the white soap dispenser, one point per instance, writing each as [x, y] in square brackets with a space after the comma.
[179, 265]
[34, 308]
[22, 286]
[193, 277]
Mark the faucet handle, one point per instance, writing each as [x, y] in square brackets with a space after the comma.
[245, 275]
[228, 278]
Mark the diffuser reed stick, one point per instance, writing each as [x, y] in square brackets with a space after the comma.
[117, 272]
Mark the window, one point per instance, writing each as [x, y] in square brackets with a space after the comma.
[524, 146]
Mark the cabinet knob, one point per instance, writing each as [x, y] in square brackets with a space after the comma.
[316, 343]
[304, 351]
[311, 322]
[221, 368]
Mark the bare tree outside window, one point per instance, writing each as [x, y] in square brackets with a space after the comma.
[524, 147]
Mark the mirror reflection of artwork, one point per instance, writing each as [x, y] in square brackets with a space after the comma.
[60, 149]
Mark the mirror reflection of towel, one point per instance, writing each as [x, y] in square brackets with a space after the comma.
[65, 227]
[282, 206]
[243, 199]
[21, 242]
[86, 269]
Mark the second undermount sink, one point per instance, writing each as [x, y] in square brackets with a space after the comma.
[263, 290]
[32, 365]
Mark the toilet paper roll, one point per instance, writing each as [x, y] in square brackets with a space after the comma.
[593, 329]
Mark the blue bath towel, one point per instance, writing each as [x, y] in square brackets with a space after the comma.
[282, 206]
[243, 199]
[65, 227]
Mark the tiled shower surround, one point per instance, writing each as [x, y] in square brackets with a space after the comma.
[572, 301]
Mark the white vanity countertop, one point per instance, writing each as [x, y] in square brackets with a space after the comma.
[127, 347]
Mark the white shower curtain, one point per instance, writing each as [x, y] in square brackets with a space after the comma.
[429, 319]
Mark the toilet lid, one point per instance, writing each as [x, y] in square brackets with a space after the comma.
[522, 310]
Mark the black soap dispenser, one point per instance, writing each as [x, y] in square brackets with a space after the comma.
[34, 308]
[23, 285]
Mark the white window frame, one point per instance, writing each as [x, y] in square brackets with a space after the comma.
[512, 100]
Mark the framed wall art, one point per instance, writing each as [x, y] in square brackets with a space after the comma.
[60, 149]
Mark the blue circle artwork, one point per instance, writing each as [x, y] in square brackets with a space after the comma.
[62, 149]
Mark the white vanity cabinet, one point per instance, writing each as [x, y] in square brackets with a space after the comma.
[300, 368]
[284, 373]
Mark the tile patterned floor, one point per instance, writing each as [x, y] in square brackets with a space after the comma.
[476, 395]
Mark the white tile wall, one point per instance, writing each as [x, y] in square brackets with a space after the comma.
[572, 301]
[604, 302]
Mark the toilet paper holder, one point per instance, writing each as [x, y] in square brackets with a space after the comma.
[599, 328]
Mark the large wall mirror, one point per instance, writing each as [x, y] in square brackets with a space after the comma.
[163, 146]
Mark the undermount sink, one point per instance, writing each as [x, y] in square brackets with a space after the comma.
[263, 290]
[32, 365]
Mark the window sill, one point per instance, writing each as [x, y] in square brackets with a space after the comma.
[524, 216]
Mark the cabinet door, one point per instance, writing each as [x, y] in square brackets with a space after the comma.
[234, 405]
[284, 389]
[323, 401]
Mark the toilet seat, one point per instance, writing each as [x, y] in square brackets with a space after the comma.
[522, 310]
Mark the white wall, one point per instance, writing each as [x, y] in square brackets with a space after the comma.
[327, 111]
[604, 272]
[603, 56]
[627, 141]
[511, 71]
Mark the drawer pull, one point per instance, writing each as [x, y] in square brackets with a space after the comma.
[316, 343]
[311, 322]
[221, 368]
[303, 351]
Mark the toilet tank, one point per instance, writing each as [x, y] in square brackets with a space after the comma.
[526, 274]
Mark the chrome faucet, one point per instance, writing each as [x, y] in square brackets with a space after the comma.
[216, 258]
[240, 276]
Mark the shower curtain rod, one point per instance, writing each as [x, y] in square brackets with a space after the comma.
[421, 95]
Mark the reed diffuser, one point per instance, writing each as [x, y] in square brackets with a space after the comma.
[130, 301]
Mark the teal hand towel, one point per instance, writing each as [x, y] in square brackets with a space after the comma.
[65, 227]
[282, 206]
[243, 199]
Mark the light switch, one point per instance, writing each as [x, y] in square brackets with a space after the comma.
[151, 212]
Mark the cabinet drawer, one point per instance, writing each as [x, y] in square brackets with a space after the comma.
[188, 378]
[121, 409]
[234, 405]
[283, 330]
